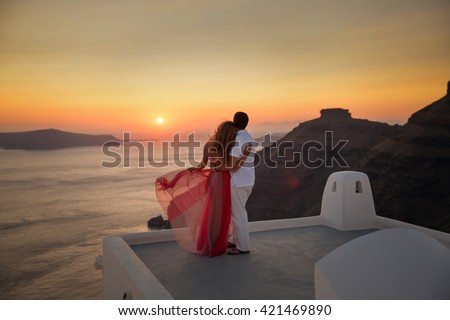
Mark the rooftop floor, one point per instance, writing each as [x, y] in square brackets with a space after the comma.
[281, 266]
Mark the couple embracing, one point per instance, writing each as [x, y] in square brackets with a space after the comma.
[206, 204]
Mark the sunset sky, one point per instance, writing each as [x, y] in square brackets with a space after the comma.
[108, 66]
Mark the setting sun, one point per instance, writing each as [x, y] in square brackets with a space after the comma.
[277, 68]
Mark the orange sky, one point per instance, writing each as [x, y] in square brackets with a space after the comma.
[114, 66]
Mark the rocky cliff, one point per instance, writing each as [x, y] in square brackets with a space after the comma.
[408, 166]
[410, 172]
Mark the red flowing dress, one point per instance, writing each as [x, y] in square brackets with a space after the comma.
[198, 206]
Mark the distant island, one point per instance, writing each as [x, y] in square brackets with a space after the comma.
[50, 139]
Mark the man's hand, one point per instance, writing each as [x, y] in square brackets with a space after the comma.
[237, 162]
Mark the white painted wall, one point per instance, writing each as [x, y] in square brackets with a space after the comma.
[347, 202]
[124, 272]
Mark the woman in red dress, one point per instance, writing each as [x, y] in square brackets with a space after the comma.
[197, 201]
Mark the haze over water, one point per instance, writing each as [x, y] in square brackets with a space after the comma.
[56, 208]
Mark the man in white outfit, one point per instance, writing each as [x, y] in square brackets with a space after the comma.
[242, 182]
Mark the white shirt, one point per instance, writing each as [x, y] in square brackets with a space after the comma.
[245, 176]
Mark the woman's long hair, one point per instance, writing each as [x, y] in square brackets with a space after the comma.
[224, 137]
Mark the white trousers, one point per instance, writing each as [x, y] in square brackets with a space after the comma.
[239, 219]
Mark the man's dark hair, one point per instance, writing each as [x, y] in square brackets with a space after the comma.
[240, 120]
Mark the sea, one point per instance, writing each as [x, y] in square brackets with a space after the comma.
[57, 206]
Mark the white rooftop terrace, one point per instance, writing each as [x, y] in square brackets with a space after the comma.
[280, 266]
[339, 254]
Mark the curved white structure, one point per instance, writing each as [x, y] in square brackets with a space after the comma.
[387, 264]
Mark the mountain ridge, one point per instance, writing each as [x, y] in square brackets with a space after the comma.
[408, 166]
[50, 139]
